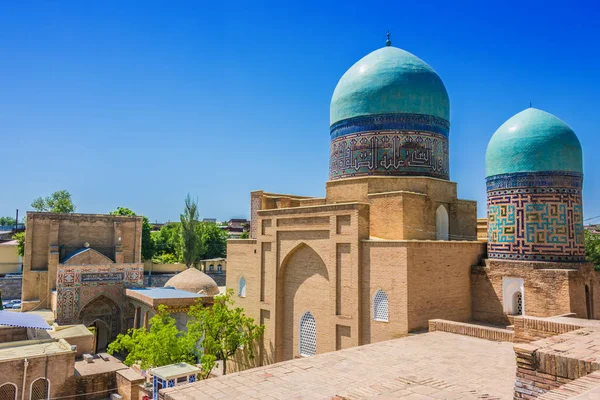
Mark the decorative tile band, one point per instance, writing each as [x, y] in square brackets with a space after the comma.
[389, 153]
[390, 122]
[539, 222]
[536, 180]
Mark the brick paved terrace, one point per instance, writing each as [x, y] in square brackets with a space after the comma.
[435, 365]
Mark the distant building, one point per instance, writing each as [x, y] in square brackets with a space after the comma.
[10, 260]
[211, 220]
[593, 229]
[235, 227]
[214, 265]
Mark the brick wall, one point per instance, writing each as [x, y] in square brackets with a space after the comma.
[529, 329]
[96, 386]
[58, 368]
[478, 331]
[547, 364]
[550, 289]
[12, 334]
[11, 287]
[47, 233]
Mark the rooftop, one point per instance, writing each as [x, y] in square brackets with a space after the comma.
[174, 370]
[165, 293]
[32, 348]
[98, 366]
[426, 366]
[23, 320]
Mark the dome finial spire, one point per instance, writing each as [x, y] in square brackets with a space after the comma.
[388, 42]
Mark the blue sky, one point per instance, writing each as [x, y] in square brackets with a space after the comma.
[136, 104]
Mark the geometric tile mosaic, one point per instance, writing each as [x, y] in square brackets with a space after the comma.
[543, 223]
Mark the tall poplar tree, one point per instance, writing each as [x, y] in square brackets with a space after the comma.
[189, 236]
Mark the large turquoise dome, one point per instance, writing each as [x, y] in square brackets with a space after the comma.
[389, 81]
[533, 141]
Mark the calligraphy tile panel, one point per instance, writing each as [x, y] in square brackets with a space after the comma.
[536, 223]
[393, 153]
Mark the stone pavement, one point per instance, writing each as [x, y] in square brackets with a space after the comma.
[435, 365]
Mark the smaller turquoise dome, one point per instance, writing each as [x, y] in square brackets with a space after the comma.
[533, 141]
[386, 81]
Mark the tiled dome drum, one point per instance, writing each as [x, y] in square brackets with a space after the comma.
[389, 115]
[534, 180]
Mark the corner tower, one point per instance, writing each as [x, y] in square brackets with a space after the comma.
[534, 177]
[389, 116]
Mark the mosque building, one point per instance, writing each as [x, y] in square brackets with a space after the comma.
[391, 246]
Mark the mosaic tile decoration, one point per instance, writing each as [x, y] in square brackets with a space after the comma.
[535, 216]
[393, 122]
[77, 286]
[393, 145]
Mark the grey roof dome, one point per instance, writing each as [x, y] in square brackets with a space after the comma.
[194, 280]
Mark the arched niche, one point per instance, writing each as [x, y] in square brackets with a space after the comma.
[513, 296]
[442, 224]
[302, 284]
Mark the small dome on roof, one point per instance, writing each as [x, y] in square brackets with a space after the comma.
[194, 280]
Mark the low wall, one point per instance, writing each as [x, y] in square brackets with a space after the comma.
[11, 287]
[218, 278]
[12, 334]
[128, 383]
[97, 386]
[156, 280]
[547, 364]
[478, 331]
[529, 329]
[579, 386]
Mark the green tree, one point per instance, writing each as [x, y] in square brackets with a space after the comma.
[147, 242]
[162, 344]
[213, 241]
[592, 248]
[7, 221]
[189, 234]
[20, 238]
[57, 202]
[223, 329]
[168, 240]
[244, 235]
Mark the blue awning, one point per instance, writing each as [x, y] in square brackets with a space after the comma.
[23, 320]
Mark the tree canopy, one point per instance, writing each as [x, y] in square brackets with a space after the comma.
[4, 221]
[220, 330]
[224, 329]
[213, 241]
[147, 242]
[58, 202]
[20, 238]
[592, 248]
[162, 344]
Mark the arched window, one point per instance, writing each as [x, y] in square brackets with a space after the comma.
[308, 335]
[219, 268]
[8, 391]
[40, 389]
[242, 287]
[380, 306]
[441, 223]
[211, 268]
